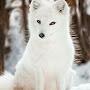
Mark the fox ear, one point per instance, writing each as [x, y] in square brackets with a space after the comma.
[36, 4]
[60, 5]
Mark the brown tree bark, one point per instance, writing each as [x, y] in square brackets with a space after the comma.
[25, 8]
[71, 2]
[84, 29]
[80, 31]
[2, 36]
[77, 39]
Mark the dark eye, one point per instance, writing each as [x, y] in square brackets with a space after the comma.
[52, 23]
[30, 1]
[38, 21]
[60, 10]
[55, 0]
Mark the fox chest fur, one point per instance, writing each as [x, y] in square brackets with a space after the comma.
[51, 55]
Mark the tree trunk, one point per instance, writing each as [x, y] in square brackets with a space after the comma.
[84, 28]
[25, 8]
[80, 31]
[2, 36]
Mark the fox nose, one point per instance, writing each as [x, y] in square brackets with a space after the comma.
[41, 35]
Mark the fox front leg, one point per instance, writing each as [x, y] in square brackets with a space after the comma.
[39, 79]
[60, 83]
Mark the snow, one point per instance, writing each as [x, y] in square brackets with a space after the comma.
[82, 87]
[13, 4]
[16, 39]
[82, 78]
[87, 4]
[6, 81]
[82, 74]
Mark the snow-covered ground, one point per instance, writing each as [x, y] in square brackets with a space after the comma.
[82, 74]
[82, 87]
[82, 77]
[6, 81]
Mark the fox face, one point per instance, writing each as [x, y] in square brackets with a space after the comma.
[48, 17]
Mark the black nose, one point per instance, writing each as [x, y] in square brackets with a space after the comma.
[41, 35]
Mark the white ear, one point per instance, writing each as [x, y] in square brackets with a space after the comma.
[60, 5]
[36, 4]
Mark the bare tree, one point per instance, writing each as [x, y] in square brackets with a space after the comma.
[80, 31]
[78, 18]
[84, 28]
[25, 8]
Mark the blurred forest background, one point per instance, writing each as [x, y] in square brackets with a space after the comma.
[14, 33]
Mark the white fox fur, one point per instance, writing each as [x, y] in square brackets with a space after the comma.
[46, 63]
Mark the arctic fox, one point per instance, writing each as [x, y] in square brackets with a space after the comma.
[47, 61]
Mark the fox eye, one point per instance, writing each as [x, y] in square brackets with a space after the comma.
[30, 1]
[60, 10]
[38, 21]
[52, 23]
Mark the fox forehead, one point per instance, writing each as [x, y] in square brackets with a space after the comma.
[46, 13]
